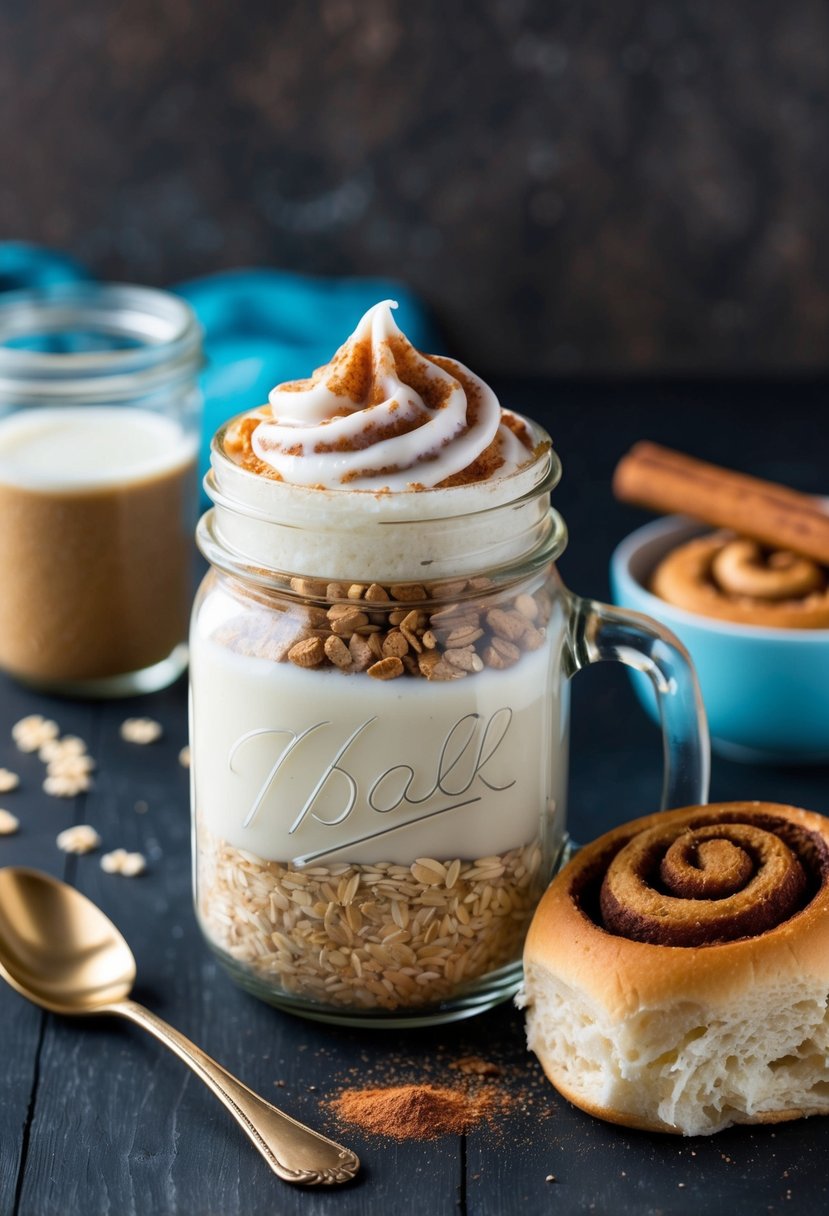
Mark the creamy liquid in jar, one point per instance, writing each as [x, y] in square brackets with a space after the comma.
[320, 765]
[95, 546]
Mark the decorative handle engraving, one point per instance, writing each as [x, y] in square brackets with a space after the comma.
[294, 1152]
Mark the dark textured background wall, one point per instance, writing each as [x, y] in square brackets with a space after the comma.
[574, 187]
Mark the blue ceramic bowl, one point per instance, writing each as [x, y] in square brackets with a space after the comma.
[766, 691]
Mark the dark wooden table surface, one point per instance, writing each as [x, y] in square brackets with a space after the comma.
[96, 1118]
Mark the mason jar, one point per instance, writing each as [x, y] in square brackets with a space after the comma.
[99, 426]
[379, 729]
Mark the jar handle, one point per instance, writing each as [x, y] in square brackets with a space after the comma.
[600, 632]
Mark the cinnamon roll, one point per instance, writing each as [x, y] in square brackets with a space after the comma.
[732, 578]
[677, 970]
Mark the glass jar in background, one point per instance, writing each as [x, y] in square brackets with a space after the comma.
[99, 429]
[379, 729]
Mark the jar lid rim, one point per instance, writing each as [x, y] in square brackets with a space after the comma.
[164, 328]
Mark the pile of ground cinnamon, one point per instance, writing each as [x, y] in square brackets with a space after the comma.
[416, 1112]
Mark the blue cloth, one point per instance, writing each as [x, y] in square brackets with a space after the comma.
[28, 266]
[260, 326]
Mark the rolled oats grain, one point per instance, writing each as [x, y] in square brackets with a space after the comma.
[32, 732]
[140, 730]
[8, 781]
[9, 823]
[184, 756]
[119, 861]
[64, 786]
[436, 867]
[70, 766]
[69, 745]
[82, 838]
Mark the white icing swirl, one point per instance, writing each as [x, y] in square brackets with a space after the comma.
[360, 423]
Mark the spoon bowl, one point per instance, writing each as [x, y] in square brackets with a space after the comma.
[57, 948]
[61, 952]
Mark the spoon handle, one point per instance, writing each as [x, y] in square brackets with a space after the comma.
[293, 1151]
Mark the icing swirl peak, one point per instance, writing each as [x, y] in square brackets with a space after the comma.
[382, 416]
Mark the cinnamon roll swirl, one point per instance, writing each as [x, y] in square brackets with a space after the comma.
[677, 970]
[732, 578]
[695, 883]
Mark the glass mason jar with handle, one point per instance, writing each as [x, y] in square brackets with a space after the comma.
[379, 727]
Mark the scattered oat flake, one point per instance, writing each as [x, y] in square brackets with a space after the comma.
[184, 757]
[119, 861]
[140, 730]
[9, 823]
[82, 838]
[70, 766]
[63, 786]
[32, 732]
[58, 749]
[8, 781]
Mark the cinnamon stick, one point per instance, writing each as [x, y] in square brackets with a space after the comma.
[667, 481]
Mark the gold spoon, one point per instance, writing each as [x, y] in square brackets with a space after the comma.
[59, 950]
